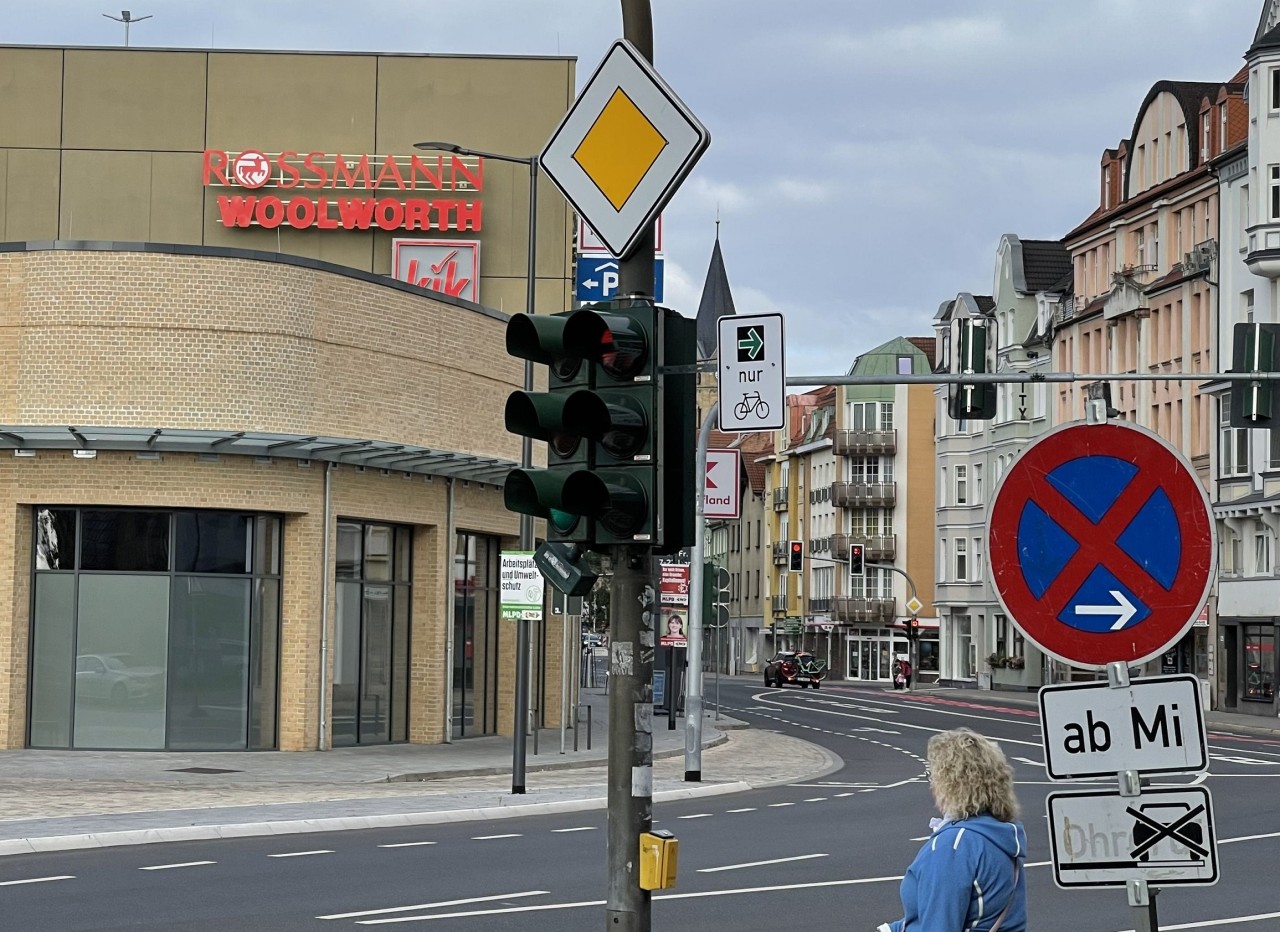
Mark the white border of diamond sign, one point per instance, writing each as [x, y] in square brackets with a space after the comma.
[625, 68]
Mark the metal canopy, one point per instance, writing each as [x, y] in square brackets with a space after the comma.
[375, 454]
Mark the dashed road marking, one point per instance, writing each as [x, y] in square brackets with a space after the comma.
[14, 883]
[167, 867]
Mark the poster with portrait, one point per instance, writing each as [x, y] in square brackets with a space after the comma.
[673, 628]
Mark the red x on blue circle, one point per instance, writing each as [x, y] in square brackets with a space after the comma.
[1101, 544]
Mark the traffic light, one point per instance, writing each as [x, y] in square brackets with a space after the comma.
[973, 352]
[619, 429]
[797, 556]
[1254, 350]
[857, 561]
[715, 596]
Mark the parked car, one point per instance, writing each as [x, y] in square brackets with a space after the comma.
[795, 666]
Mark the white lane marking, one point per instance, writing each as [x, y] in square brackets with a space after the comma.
[697, 815]
[747, 809]
[1214, 923]
[832, 783]
[405, 909]
[1027, 760]
[14, 883]
[844, 794]
[1230, 841]
[817, 799]
[580, 828]
[408, 844]
[165, 867]
[1243, 760]
[483, 912]
[734, 867]
[682, 896]
[299, 854]
[779, 805]
[923, 727]
[492, 837]
[921, 838]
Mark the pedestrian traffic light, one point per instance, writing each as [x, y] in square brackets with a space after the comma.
[857, 561]
[973, 352]
[797, 556]
[1253, 350]
[619, 429]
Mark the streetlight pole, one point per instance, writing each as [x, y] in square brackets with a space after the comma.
[526, 452]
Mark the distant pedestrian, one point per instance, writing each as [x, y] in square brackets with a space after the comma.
[970, 873]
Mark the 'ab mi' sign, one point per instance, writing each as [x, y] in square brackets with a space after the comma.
[1154, 726]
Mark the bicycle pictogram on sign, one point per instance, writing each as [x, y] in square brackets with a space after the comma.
[1101, 543]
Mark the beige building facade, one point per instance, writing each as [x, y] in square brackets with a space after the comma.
[251, 453]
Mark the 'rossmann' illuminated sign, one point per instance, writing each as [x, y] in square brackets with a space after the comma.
[346, 192]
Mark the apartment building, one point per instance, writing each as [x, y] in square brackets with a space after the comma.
[979, 644]
[883, 493]
[1145, 297]
[1245, 155]
[800, 446]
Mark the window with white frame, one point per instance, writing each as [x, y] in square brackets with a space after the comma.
[976, 563]
[1204, 136]
[1273, 453]
[1222, 127]
[1274, 100]
[962, 559]
[977, 483]
[942, 560]
[1273, 191]
[1233, 450]
[962, 485]
[1262, 552]
[1009, 641]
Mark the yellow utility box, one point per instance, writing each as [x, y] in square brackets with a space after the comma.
[659, 853]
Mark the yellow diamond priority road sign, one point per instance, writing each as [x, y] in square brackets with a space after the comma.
[623, 148]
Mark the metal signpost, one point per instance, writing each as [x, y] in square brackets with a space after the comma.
[752, 374]
[1102, 552]
[618, 156]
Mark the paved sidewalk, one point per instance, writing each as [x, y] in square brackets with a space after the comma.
[57, 800]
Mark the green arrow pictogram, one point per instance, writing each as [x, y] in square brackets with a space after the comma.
[753, 343]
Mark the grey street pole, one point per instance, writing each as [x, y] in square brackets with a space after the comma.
[630, 800]
[633, 610]
[693, 712]
[521, 723]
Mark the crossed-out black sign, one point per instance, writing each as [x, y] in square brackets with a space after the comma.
[1181, 831]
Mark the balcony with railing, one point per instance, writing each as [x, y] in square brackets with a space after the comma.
[863, 611]
[864, 494]
[781, 552]
[779, 604]
[780, 499]
[819, 544]
[865, 442]
[820, 605]
[875, 549]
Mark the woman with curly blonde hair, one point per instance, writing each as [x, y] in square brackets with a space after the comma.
[968, 876]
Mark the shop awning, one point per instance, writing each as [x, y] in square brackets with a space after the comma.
[371, 454]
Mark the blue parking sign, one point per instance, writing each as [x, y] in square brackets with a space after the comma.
[597, 277]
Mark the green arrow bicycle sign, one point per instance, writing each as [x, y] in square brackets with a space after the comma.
[752, 377]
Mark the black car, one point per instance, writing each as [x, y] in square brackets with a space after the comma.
[795, 666]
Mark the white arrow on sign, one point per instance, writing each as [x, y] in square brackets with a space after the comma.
[1124, 610]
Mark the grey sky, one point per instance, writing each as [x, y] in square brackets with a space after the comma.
[866, 155]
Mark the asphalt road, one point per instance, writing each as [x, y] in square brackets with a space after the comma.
[822, 855]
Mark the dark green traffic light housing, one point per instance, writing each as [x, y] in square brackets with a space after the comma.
[617, 423]
[973, 352]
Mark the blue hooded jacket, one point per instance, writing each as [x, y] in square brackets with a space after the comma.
[963, 877]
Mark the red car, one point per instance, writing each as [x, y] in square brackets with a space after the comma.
[795, 666]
